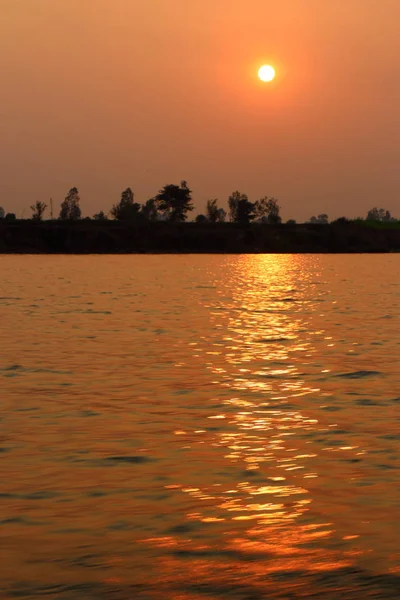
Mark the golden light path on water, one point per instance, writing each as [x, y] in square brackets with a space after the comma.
[203, 426]
[261, 364]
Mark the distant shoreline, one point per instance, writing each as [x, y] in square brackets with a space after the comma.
[118, 237]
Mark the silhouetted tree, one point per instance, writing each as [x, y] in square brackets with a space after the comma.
[245, 212]
[215, 214]
[379, 214]
[267, 210]
[100, 216]
[175, 201]
[38, 209]
[126, 209]
[201, 219]
[70, 209]
[233, 203]
[320, 220]
[241, 210]
[2, 212]
[212, 211]
[10, 217]
[374, 214]
[291, 222]
[149, 210]
[221, 215]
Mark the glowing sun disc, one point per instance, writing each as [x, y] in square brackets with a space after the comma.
[266, 73]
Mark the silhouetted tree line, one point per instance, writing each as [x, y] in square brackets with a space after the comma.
[380, 215]
[173, 203]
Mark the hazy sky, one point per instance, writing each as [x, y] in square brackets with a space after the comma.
[106, 94]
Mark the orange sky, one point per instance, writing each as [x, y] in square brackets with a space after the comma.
[105, 94]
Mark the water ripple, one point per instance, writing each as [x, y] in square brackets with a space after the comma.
[200, 426]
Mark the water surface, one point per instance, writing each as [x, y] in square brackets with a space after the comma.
[192, 427]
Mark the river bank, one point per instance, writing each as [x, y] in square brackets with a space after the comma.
[114, 237]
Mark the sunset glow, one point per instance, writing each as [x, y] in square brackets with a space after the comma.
[144, 112]
[199, 299]
[266, 73]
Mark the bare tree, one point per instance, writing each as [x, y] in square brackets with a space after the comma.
[38, 209]
[267, 210]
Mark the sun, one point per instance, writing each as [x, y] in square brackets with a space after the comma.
[266, 73]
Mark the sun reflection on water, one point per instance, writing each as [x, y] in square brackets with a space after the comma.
[220, 426]
[262, 361]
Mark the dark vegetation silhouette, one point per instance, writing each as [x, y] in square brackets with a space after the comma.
[322, 219]
[149, 210]
[266, 210]
[174, 202]
[38, 209]
[214, 214]
[100, 216]
[241, 210]
[70, 209]
[126, 209]
[160, 225]
[379, 214]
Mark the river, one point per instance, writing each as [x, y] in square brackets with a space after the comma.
[192, 427]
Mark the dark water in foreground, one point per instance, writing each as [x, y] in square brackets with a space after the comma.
[192, 427]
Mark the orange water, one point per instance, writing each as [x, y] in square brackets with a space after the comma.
[192, 427]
